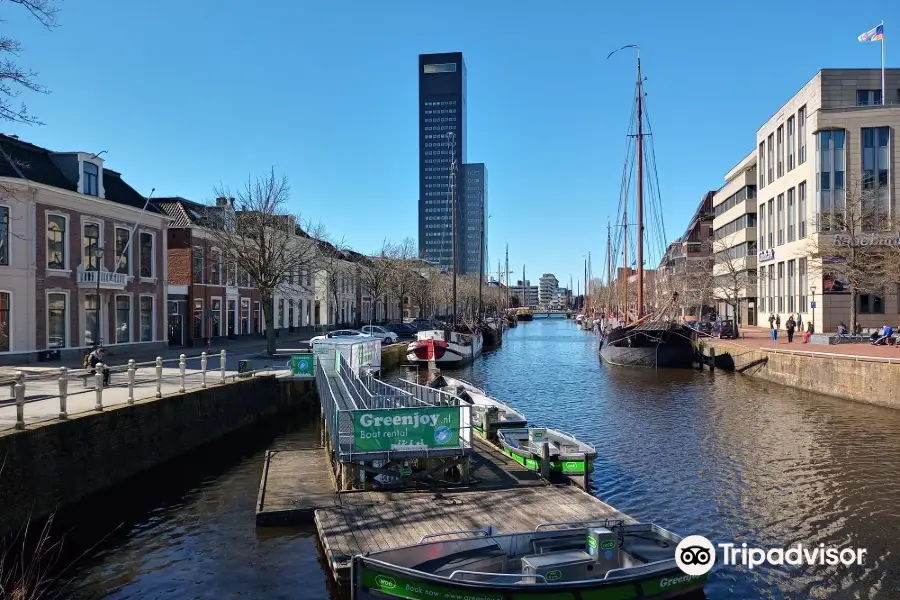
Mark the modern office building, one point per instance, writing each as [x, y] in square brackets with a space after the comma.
[473, 200]
[734, 243]
[829, 144]
[548, 289]
[530, 293]
[442, 137]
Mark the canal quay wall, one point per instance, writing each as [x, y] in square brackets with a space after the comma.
[860, 379]
[54, 463]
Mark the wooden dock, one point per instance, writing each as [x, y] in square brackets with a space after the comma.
[295, 483]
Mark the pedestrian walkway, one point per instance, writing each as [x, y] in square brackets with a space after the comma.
[757, 338]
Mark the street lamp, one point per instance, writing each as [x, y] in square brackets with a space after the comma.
[812, 320]
[98, 252]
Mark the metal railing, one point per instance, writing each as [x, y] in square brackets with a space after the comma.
[854, 357]
[143, 380]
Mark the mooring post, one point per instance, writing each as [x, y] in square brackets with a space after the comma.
[203, 369]
[20, 400]
[159, 376]
[545, 460]
[182, 365]
[98, 386]
[346, 477]
[712, 358]
[63, 392]
[131, 371]
[222, 364]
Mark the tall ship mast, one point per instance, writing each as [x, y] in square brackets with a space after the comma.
[649, 340]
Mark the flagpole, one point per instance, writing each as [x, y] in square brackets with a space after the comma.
[883, 96]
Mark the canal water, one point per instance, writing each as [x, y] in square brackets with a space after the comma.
[712, 454]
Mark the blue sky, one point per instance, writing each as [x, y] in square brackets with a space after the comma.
[185, 95]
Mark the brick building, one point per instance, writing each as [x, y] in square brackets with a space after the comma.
[82, 256]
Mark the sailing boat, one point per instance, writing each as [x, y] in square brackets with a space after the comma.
[458, 344]
[650, 340]
[491, 329]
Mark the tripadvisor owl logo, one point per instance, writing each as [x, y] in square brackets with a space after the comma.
[695, 555]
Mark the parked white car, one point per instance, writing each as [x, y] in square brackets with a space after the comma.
[387, 337]
[344, 334]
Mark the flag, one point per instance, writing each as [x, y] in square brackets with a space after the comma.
[873, 35]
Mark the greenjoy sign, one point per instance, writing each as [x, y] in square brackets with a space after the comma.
[405, 428]
[869, 239]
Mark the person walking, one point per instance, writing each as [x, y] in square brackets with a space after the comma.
[96, 358]
[790, 325]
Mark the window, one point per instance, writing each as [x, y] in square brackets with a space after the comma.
[245, 316]
[868, 97]
[91, 243]
[760, 295]
[198, 318]
[771, 285]
[779, 134]
[830, 180]
[801, 208]
[216, 316]
[870, 304]
[803, 285]
[231, 274]
[91, 319]
[123, 319]
[279, 318]
[770, 158]
[791, 297]
[780, 208]
[876, 172]
[5, 331]
[791, 215]
[215, 267]
[762, 226]
[146, 314]
[781, 287]
[790, 142]
[770, 219]
[257, 324]
[4, 237]
[146, 242]
[198, 267]
[801, 135]
[56, 320]
[91, 178]
[122, 237]
[56, 242]
[761, 159]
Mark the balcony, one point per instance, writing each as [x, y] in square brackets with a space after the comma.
[108, 279]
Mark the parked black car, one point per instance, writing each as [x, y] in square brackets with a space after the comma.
[404, 331]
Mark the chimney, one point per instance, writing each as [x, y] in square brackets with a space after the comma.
[231, 202]
[221, 201]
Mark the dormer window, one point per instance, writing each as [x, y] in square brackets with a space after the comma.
[91, 186]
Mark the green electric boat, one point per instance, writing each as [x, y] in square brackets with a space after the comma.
[604, 560]
[568, 456]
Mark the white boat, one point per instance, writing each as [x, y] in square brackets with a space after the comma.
[445, 348]
[505, 416]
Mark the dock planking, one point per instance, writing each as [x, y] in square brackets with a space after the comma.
[373, 521]
[294, 484]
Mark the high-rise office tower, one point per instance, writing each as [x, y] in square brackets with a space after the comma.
[442, 130]
[474, 210]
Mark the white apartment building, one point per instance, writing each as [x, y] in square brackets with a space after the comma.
[833, 137]
[734, 243]
[548, 290]
[526, 293]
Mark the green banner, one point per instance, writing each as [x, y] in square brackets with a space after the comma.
[405, 428]
[303, 365]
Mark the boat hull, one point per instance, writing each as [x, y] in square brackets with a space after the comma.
[652, 348]
[374, 579]
[492, 337]
[525, 317]
[445, 348]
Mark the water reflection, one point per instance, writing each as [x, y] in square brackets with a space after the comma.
[720, 455]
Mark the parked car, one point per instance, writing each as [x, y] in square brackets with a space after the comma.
[704, 327]
[344, 334]
[404, 331]
[387, 336]
[422, 324]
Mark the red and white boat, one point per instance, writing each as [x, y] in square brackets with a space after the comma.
[444, 347]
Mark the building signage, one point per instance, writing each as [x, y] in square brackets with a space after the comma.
[303, 365]
[766, 255]
[405, 429]
[870, 239]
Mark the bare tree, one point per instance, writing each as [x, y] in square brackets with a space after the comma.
[731, 277]
[264, 239]
[422, 293]
[852, 246]
[402, 277]
[333, 268]
[376, 276]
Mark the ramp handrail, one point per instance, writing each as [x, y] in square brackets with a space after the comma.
[485, 532]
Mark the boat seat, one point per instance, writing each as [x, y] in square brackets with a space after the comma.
[648, 547]
[489, 558]
[569, 542]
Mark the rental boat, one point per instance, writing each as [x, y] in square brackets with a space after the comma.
[568, 456]
[523, 313]
[446, 348]
[600, 559]
[501, 416]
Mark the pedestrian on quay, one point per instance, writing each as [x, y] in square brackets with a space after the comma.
[96, 358]
[790, 325]
[799, 322]
[777, 321]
